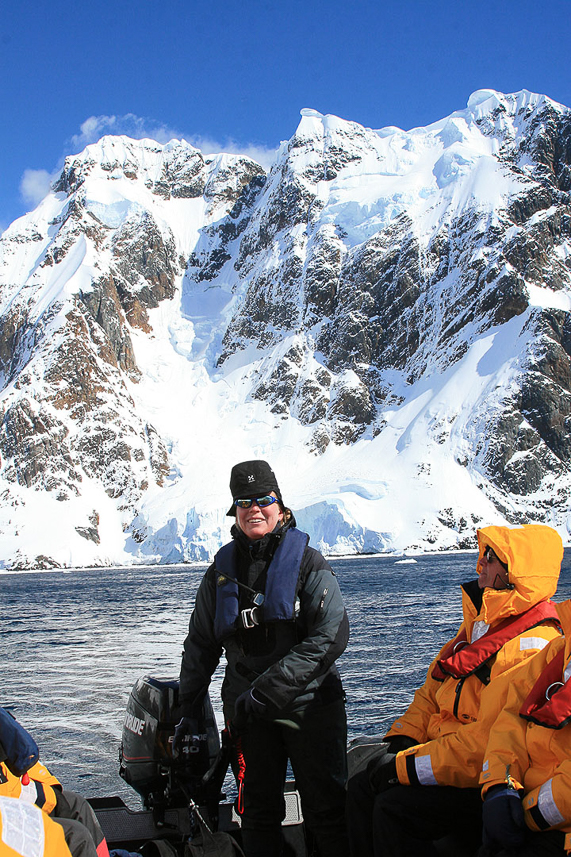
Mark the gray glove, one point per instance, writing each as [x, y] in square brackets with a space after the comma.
[185, 738]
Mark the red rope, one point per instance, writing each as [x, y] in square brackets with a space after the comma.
[241, 776]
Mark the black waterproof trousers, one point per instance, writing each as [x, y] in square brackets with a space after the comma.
[83, 834]
[404, 821]
[549, 843]
[316, 745]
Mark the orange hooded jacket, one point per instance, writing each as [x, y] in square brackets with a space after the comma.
[25, 831]
[35, 787]
[445, 716]
[535, 757]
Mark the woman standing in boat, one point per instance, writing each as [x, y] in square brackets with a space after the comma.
[273, 605]
[426, 785]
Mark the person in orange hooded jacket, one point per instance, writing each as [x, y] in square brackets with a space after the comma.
[426, 784]
[24, 778]
[526, 773]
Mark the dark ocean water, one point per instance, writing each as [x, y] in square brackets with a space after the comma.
[74, 644]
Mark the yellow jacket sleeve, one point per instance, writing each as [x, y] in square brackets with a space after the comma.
[506, 752]
[549, 805]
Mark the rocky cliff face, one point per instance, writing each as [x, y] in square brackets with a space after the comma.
[388, 311]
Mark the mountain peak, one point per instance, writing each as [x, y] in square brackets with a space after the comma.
[384, 316]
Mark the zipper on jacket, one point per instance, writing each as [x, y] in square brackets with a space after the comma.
[457, 693]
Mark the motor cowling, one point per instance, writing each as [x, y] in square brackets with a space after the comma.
[146, 759]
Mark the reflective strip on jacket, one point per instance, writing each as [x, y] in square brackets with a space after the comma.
[35, 787]
[451, 718]
[536, 757]
[25, 831]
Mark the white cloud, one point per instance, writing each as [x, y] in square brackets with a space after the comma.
[130, 125]
[137, 127]
[34, 186]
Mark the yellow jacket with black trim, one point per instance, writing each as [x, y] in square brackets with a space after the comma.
[537, 759]
[450, 718]
[25, 831]
[37, 786]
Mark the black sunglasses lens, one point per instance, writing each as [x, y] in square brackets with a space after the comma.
[259, 501]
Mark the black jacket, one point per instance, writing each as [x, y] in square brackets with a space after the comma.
[290, 663]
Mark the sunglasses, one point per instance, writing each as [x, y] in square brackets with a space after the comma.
[490, 556]
[262, 502]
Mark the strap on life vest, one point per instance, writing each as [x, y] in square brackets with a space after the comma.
[462, 663]
[549, 701]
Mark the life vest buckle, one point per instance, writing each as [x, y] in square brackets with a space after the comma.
[250, 617]
[553, 688]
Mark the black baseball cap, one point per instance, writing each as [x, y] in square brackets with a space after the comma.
[252, 479]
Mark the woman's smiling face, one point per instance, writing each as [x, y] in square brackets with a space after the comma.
[255, 522]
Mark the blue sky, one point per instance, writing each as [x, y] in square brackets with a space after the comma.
[232, 75]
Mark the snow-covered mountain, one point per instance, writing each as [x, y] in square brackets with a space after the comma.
[385, 316]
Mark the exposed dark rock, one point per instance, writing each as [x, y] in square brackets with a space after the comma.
[373, 320]
[235, 186]
[351, 402]
[91, 533]
[144, 268]
[321, 276]
[240, 187]
[288, 206]
[35, 449]
[313, 401]
[113, 340]
[14, 331]
[43, 563]
[158, 455]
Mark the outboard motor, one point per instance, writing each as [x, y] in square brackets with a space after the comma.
[146, 760]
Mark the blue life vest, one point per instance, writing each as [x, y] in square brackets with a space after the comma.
[281, 583]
